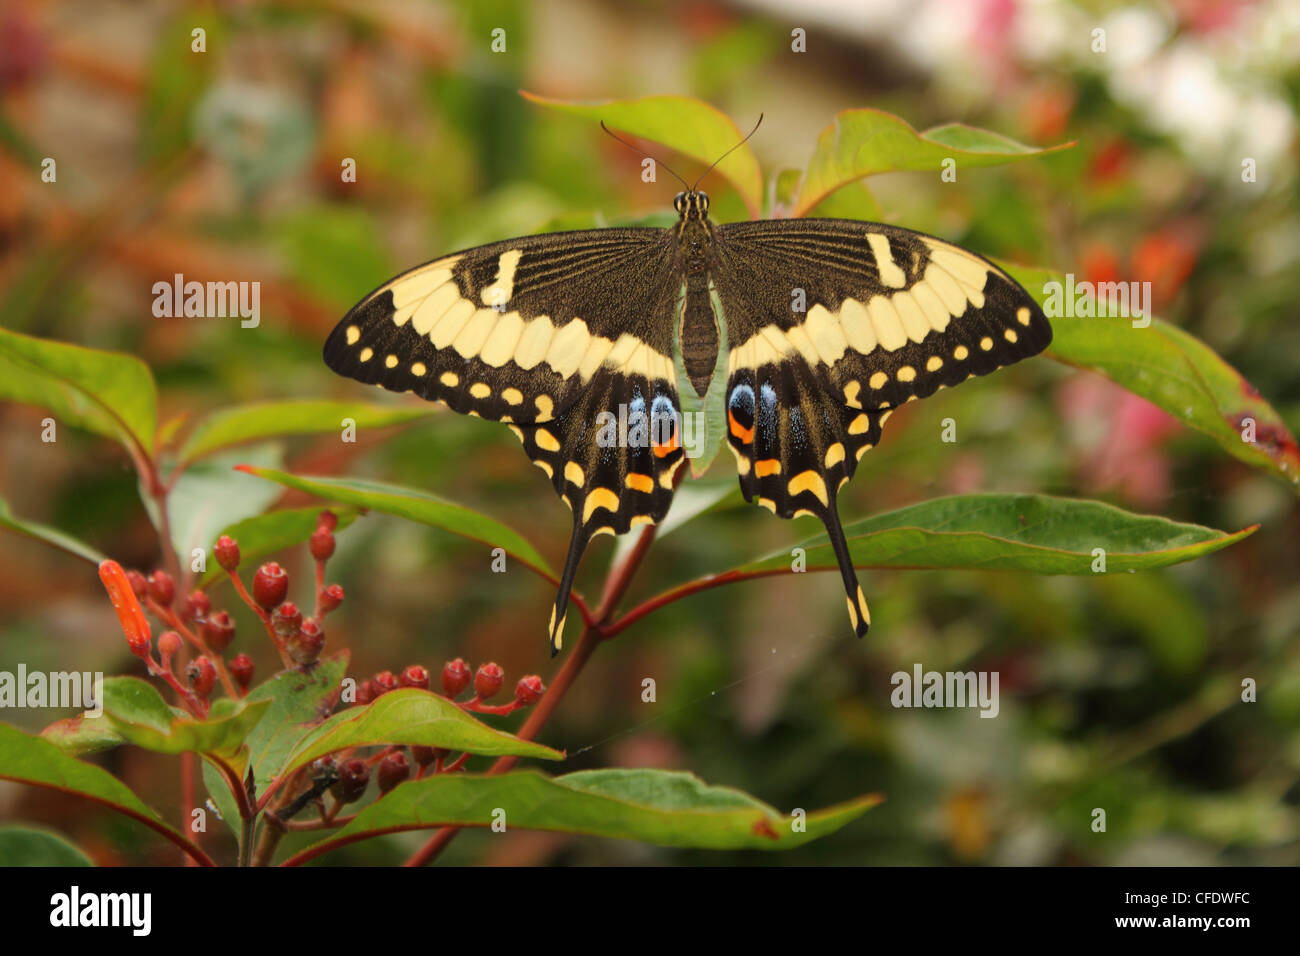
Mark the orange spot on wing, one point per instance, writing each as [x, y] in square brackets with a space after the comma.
[746, 435]
[668, 447]
[767, 466]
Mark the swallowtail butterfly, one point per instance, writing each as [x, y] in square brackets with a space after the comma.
[822, 327]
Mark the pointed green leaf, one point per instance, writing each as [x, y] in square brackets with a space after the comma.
[298, 704]
[1036, 533]
[104, 392]
[414, 506]
[52, 536]
[138, 712]
[864, 142]
[245, 423]
[83, 735]
[687, 125]
[1171, 369]
[665, 808]
[412, 716]
[273, 531]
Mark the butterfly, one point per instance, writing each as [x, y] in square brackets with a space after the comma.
[808, 332]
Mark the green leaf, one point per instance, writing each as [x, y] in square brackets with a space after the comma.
[1036, 533]
[27, 846]
[851, 201]
[52, 536]
[665, 808]
[245, 423]
[410, 716]
[687, 125]
[213, 493]
[107, 393]
[1175, 371]
[298, 703]
[273, 531]
[138, 712]
[31, 760]
[82, 735]
[414, 506]
[864, 142]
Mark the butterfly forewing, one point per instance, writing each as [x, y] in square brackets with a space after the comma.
[559, 335]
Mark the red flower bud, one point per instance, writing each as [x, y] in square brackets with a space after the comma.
[327, 520]
[241, 669]
[227, 552]
[270, 585]
[393, 769]
[169, 645]
[218, 631]
[455, 677]
[322, 544]
[330, 598]
[488, 680]
[414, 676]
[383, 682]
[305, 645]
[530, 689]
[161, 588]
[354, 775]
[423, 755]
[287, 619]
[365, 692]
[196, 606]
[138, 583]
[202, 676]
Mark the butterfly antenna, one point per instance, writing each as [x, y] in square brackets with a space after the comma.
[637, 149]
[729, 152]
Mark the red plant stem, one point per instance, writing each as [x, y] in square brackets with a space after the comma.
[686, 590]
[168, 616]
[456, 764]
[187, 797]
[320, 590]
[266, 618]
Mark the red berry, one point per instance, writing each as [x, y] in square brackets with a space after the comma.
[227, 552]
[322, 544]
[138, 583]
[354, 775]
[218, 631]
[305, 645]
[270, 585]
[530, 689]
[488, 680]
[383, 682]
[331, 598]
[196, 607]
[423, 755]
[169, 644]
[287, 619]
[241, 669]
[415, 676]
[202, 676]
[455, 677]
[161, 588]
[327, 520]
[393, 769]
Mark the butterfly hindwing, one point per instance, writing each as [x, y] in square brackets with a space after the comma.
[556, 335]
[832, 324]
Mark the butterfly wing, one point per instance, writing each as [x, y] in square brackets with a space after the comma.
[553, 334]
[833, 323]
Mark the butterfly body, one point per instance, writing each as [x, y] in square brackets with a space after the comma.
[821, 327]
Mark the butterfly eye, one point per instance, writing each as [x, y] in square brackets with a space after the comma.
[704, 202]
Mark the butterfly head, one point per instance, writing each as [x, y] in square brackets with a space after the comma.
[692, 204]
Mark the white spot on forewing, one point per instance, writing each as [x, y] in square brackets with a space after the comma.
[946, 288]
[890, 274]
[417, 284]
[884, 319]
[534, 342]
[910, 314]
[500, 345]
[433, 307]
[857, 326]
[449, 326]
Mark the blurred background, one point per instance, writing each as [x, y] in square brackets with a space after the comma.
[1119, 692]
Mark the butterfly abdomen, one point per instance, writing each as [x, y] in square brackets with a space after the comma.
[699, 333]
